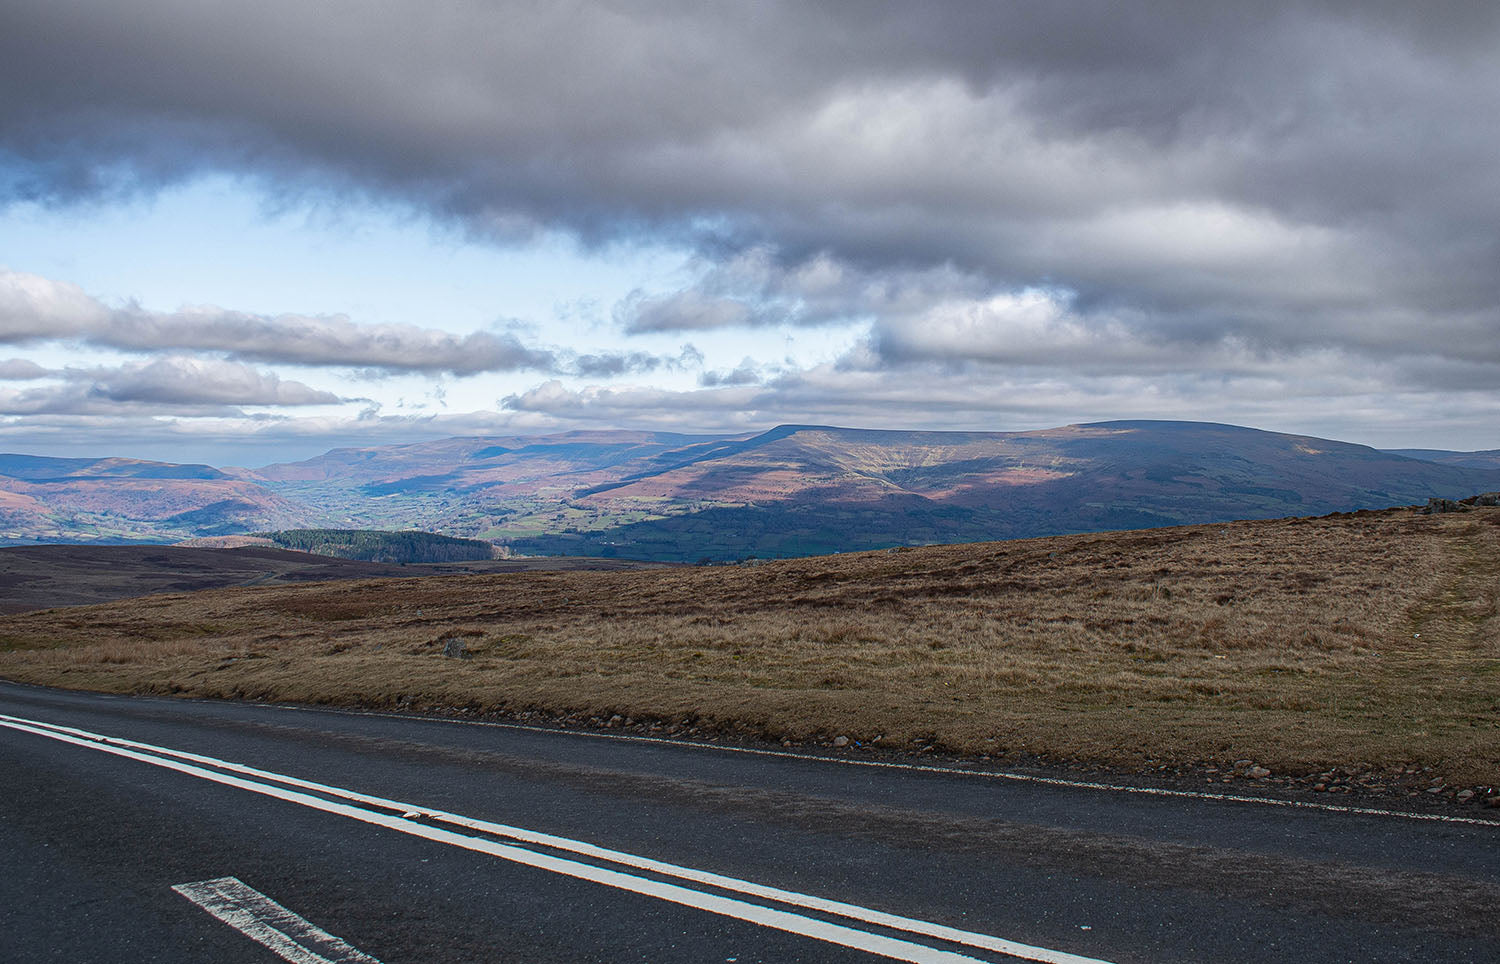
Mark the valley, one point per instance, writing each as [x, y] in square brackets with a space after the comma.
[792, 491]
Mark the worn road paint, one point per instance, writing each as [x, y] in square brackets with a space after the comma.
[293, 937]
[1009, 775]
[1006, 775]
[753, 913]
[410, 811]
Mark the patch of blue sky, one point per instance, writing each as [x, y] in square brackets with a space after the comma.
[219, 241]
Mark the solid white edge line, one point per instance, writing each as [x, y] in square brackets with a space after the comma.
[266, 922]
[1009, 775]
[748, 888]
[672, 893]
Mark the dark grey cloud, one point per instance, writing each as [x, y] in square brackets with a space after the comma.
[612, 364]
[1199, 191]
[1259, 166]
[746, 372]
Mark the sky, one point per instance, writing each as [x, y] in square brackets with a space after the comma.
[247, 233]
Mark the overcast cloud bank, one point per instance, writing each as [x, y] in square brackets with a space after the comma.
[1281, 215]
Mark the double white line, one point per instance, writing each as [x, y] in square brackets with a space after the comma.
[408, 818]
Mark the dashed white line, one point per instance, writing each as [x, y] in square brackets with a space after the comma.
[409, 811]
[293, 937]
[894, 948]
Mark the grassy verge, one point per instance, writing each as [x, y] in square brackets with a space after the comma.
[1367, 642]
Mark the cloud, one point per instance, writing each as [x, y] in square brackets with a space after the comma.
[20, 369]
[324, 340]
[1326, 392]
[171, 385]
[33, 308]
[614, 363]
[1165, 207]
[36, 309]
[1289, 169]
[754, 288]
[168, 381]
[746, 373]
[691, 311]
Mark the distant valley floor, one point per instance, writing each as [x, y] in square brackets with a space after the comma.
[44, 577]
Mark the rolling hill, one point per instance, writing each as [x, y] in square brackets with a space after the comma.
[114, 500]
[794, 490]
[1472, 460]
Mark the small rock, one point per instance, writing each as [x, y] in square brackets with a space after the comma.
[786, 742]
[1257, 773]
[841, 741]
[1320, 787]
[1434, 789]
[1493, 801]
[1464, 796]
[455, 649]
[615, 720]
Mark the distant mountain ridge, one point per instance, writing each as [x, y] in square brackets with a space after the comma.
[793, 490]
[46, 499]
[1471, 460]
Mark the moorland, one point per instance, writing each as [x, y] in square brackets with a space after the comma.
[1356, 649]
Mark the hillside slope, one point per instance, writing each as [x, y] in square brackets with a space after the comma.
[1473, 460]
[794, 490]
[111, 500]
[1364, 641]
[809, 489]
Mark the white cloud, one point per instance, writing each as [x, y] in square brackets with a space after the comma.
[35, 309]
[170, 385]
[21, 369]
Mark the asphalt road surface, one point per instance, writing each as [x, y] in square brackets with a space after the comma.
[163, 830]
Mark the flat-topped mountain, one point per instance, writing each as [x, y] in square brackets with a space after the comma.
[794, 490]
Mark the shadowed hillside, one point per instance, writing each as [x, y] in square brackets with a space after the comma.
[1471, 460]
[794, 490]
[375, 546]
[802, 490]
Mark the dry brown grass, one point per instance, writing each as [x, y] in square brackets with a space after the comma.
[1364, 641]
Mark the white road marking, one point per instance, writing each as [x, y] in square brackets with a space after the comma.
[1007, 775]
[765, 916]
[258, 917]
[1004, 775]
[853, 911]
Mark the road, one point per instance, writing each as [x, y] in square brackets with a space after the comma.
[317, 835]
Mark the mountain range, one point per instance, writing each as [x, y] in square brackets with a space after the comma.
[793, 490]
